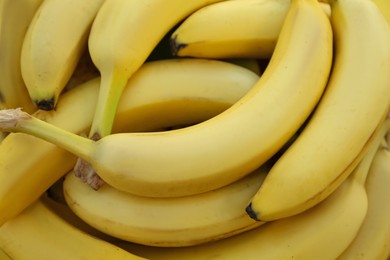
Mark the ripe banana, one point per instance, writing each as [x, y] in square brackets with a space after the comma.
[165, 222]
[232, 29]
[54, 42]
[38, 233]
[123, 35]
[161, 94]
[322, 232]
[15, 16]
[226, 147]
[373, 239]
[62, 210]
[355, 101]
[4, 256]
[384, 6]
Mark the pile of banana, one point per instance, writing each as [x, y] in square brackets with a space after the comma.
[202, 129]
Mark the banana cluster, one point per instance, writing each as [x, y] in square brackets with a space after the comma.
[203, 129]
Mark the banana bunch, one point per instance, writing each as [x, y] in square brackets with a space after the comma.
[203, 129]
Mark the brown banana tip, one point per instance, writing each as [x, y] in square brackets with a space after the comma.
[251, 212]
[46, 104]
[175, 46]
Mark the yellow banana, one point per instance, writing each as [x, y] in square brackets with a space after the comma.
[355, 101]
[161, 94]
[165, 222]
[38, 233]
[123, 35]
[373, 239]
[232, 29]
[16, 16]
[4, 256]
[384, 6]
[61, 209]
[322, 232]
[251, 64]
[226, 147]
[54, 42]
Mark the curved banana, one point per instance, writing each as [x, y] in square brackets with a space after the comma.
[322, 232]
[384, 6]
[373, 239]
[355, 101]
[38, 233]
[226, 147]
[123, 35]
[161, 94]
[61, 209]
[15, 16]
[165, 222]
[54, 42]
[232, 29]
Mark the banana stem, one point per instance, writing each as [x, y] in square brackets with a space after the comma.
[15, 120]
[111, 88]
[362, 169]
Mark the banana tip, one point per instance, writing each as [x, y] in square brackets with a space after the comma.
[251, 212]
[175, 46]
[45, 104]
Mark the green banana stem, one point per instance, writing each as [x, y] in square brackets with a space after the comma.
[111, 88]
[15, 120]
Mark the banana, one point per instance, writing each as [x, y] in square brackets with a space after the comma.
[232, 29]
[62, 210]
[123, 35]
[16, 16]
[161, 94]
[38, 233]
[54, 42]
[321, 232]
[251, 64]
[355, 101]
[224, 148]
[4, 256]
[384, 6]
[165, 222]
[373, 239]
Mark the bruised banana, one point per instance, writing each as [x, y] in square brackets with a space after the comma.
[225, 148]
[322, 232]
[161, 94]
[54, 42]
[15, 16]
[373, 239]
[123, 35]
[253, 29]
[165, 222]
[38, 233]
[355, 101]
